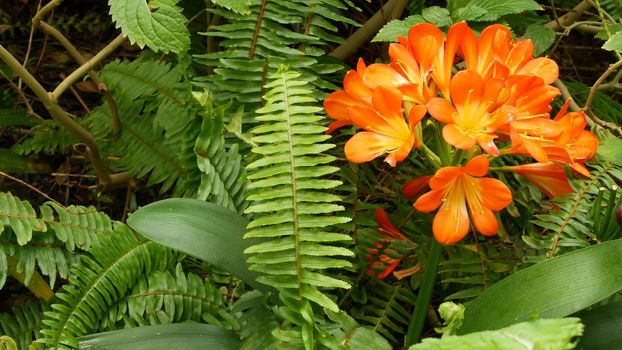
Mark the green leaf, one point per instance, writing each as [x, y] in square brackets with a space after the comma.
[162, 337]
[11, 162]
[237, 6]
[15, 117]
[204, 230]
[613, 29]
[534, 335]
[554, 288]
[542, 37]
[614, 43]
[610, 150]
[397, 27]
[436, 15]
[469, 13]
[603, 327]
[500, 8]
[160, 25]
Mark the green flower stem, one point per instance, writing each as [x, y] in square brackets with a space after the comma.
[423, 297]
[431, 156]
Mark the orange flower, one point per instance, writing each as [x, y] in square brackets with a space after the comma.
[388, 232]
[460, 192]
[549, 177]
[355, 93]
[494, 54]
[387, 130]
[469, 122]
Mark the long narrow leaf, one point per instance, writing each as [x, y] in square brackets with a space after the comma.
[190, 336]
[204, 230]
[554, 288]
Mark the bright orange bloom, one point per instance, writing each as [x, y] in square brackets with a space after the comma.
[388, 232]
[387, 130]
[468, 120]
[549, 177]
[354, 93]
[573, 145]
[495, 55]
[460, 192]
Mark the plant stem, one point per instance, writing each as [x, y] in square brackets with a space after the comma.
[87, 66]
[431, 156]
[59, 115]
[77, 56]
[423, 297]
[368, 29]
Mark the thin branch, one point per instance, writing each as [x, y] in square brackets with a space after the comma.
[59, 114]
[86, 67]
[371, 27]
[44, 11]
[251, 52]
[77, 56]
[570, 17]
[612, 68]
[574, 107]
[21, 94]
[29, 47]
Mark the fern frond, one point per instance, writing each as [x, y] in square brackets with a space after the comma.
[181, 296]
[386, 309]
[103, 277]
[23, 323]
[275, 32]
[223, 179]
[573, 225]
[45, 240]
[257, 321]
[293, 213]
[47, 137]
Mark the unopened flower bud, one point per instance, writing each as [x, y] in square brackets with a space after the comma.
[619, 215]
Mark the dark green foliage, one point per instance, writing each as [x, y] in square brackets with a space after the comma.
[45, 240]
[23, 323]
[103, 277]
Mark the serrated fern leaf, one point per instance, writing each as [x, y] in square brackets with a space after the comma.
[46, 137]
[291, 207]
[237, 6]
[104, 276]
[20, 216]
[275, 32]
[159, 24]
[149, 79]
[223, 179]
[180, 296]
[257, 322]
[45, 240]
[23, 323]
[572, 224]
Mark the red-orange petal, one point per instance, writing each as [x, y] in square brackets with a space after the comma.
[429, 201]
[466, 86]
[365, 146]
[543, 67]
[386, 227]
[477, 166]
[337, 124]
[416, 114]
[416, 186]
[444, 176]
[450, 224]
[441, 110]
[379, 74]
[484, 221]
[426, 40]
[495, 194]
[457, 138]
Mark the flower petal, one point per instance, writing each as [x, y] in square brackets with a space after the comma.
[444, 176]
[441, 110]
[429, 201]
[477, 166]
[385, 226]
[416, 114]
[354, 85]
[336, 125]
[414, 187]
[450, 224]
[466, 88]
[379, 74]
[495, 194]
[485, 221]
[365, 146]
[426, 40]
[457, 138]
[542, 67]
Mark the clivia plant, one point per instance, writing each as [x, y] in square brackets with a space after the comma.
[451, 190]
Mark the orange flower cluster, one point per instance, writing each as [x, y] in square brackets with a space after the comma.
[498, 102]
